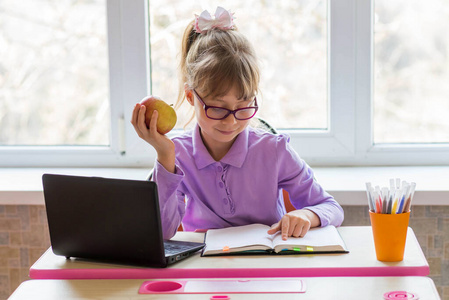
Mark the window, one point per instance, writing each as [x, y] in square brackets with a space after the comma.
[411, 72]
[290, 38]
[70, 71]
[54, 81]
[353, 82]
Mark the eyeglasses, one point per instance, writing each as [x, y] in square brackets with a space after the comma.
[220, 113]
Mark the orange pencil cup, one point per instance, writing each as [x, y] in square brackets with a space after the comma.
[390, 233]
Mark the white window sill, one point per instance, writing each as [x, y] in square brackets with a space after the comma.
[23, 186]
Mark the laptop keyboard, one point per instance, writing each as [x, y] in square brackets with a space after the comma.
[171, 249]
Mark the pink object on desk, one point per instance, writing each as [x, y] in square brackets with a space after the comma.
[223, 286]
[403, 295]
[219, 297]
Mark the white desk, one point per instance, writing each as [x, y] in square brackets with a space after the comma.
[366, 288]
[361, 261]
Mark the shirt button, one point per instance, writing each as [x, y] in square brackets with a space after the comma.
[219, 168]
[225, 201]
[220, 184]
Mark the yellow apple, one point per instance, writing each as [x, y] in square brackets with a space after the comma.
[166, 114]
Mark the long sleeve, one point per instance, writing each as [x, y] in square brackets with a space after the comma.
[297, 178]
[171, 200]
[244, 187]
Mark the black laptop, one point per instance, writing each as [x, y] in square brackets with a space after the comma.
[110, 220]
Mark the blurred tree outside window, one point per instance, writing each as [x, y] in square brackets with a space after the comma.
[54, 73]
[290, 40]
[411, 71]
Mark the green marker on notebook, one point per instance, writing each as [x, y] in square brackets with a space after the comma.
[296, 249]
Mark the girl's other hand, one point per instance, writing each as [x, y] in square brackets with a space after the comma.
[295, 223]
[164, 146]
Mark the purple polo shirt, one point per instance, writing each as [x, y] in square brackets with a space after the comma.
[245, 187]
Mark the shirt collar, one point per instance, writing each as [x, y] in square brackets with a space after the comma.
[235, 157]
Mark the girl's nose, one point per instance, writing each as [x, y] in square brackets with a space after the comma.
[229, 119]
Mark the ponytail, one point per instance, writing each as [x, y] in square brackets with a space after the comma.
[188, 39]
[215, 61]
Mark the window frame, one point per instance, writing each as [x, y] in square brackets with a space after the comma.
[348, 141]
[128, 83]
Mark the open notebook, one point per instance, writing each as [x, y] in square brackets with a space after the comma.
[254, 238]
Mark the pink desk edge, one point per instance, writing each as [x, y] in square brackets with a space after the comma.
[225, 273]
[173, 272]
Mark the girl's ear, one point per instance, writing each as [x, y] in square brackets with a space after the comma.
[189, 94]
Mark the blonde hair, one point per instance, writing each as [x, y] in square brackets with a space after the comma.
[214, 62]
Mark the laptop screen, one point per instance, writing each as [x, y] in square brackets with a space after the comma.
[104, 219]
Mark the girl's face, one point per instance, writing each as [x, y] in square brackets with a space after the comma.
[219, 135]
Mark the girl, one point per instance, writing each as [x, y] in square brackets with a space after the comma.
[224, 173]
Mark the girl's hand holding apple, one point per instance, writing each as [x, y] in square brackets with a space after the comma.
[146, 117]
[167, 119]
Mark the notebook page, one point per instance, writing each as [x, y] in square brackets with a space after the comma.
[237, 237]
[315, 237]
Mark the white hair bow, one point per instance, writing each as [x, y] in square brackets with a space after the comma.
[223, 19]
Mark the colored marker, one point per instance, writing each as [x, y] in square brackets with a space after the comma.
[405, 188]
[379, 198]
[378, 207]
[410, 197]
[395, 202]
[384, 200]
[368, 195]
